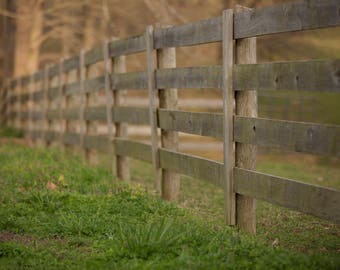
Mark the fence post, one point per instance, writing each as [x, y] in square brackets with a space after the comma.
[109, 101]
[18, 102]
[83, 104]
[168, 99]
[45, 106]
[62, 105]
[152, 106]
[122, 162]
[228, 112]
[86, 126]
[3, 103]
[246, 105]
[30, 109]
[9, 103]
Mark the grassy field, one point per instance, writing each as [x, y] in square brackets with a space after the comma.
[291, 229]
[58, 212]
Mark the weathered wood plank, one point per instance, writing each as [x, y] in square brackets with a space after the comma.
[71, 63]
[201, 168]
[205, 31]
[51, 136]
[94, 56]
[53, 114]
[245, 154]
[53, 92]
[204, 124]
[71, 114]
[122, 162]
[131, 80]
[72, 88]
[132, 115]
[228, 113]
[95, 84]
[25, 80]
[191, 77]
[36, 116]
[25, 97]
[127, 46]
[39, 75]
[310, 199]
[95, 113]
[24, 115]
[71, 138]
[149, 38]
[13, 83]
[36, 134]
[96, 142]
[287, 17]
[53, 70]
[37, 95]
[134, 149]
[91, 86]
[168, 99]
[323, 76]
[294, 136]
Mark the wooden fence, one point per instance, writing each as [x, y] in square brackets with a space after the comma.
[27, 103]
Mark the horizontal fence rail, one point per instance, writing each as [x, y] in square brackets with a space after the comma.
[54, 107]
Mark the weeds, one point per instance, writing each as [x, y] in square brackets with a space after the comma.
[90, 222]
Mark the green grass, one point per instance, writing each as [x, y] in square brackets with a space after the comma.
[86, 220]
[293, 230]
[9, 132]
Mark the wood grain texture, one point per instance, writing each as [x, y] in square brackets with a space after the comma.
[319, 201]
[96, 142]
[228, 113]
[168, 98]
[51, 136]
[127, 46]
[71, 88]
[91, 86]
[321, 76]
[293, 136]
[95, 84]
[109, 104]
[245, 154]
[205, 31]
[131, 115]
[53, 115]
[95, 113]
[149, 36]
[134, 149]
[53, 92]
[204, 124]
[53, 70]
[93, 56]
[191, 77]
[71, 63]
[286, 17]
[122, 162]
[71, 138]
[201, 168]
[71, 114]
[131, 80]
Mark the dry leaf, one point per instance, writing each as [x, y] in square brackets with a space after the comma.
[275, 242]
[51, 186]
